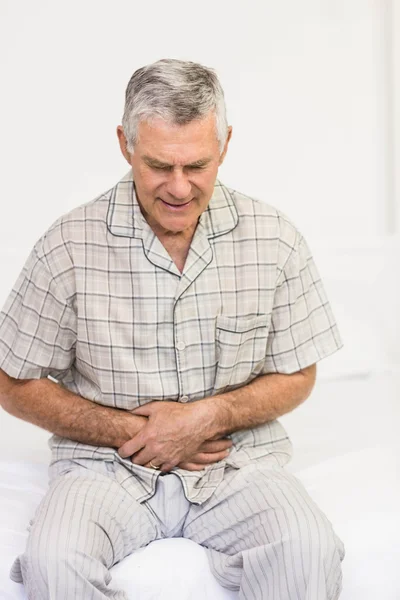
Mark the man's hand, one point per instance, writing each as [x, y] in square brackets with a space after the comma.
[209, 453]
[175, 434]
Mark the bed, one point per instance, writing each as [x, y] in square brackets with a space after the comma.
[346, 455]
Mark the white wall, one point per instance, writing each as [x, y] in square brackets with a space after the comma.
[311, 89]
[306, 87]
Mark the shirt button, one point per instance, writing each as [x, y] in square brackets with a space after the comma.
[184, 398]
[181, 345]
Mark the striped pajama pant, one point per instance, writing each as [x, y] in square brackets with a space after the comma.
[263, 533]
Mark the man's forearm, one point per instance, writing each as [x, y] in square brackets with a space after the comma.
[60, 411]
[264, 399]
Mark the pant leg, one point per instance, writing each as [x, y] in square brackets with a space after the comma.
[267, 538]
[86, 523]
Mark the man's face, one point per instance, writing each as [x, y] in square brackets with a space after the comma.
[174, 168]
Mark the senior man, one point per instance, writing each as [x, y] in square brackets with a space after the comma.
[179, 319]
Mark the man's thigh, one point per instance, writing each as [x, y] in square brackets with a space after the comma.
[85, 513]
[259, 506]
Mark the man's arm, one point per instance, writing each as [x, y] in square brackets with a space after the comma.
[264, 399]
[60, 411]
[174, 431]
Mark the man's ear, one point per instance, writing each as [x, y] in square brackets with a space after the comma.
[123, 144]
[225, 150]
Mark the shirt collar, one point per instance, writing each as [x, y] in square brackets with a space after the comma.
[125, 219]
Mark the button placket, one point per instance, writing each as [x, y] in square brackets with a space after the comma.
[179, 347]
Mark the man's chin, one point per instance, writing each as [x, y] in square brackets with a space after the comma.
[176, 225]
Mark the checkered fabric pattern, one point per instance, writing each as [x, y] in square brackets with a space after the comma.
[101, 307]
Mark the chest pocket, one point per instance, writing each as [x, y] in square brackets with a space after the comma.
[241, 345]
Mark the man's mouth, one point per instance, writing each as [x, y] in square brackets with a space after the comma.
[176, 207]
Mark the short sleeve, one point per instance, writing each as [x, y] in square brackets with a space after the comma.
[302, 329]
[37, 325]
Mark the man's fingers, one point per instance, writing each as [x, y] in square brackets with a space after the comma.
[188, 466]
[200, 461]
[144, 457]
[215, 446]
[131, 446]
[153, 463]
[166, 467]
[209, 458]
[144, 411]
[197, 462]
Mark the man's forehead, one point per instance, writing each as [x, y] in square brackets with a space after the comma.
[169, 144]
[155, 133]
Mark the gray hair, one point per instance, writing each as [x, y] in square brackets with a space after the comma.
[177, 91]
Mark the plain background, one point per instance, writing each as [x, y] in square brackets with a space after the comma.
[307, 85]
[312, 90]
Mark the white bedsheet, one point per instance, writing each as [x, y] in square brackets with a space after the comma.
[359, 492]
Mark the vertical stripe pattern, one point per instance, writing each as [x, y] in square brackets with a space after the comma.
[264, 535]
[88, 521]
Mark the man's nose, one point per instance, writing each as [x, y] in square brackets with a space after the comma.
[178, 185]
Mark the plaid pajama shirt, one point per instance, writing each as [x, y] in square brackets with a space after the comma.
[101, 307]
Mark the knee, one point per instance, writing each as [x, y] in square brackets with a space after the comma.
[332, 553]
[45, 558]
[327, 543]
[317, 555]
[322, 552]
[46, 567]
[68, 547]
